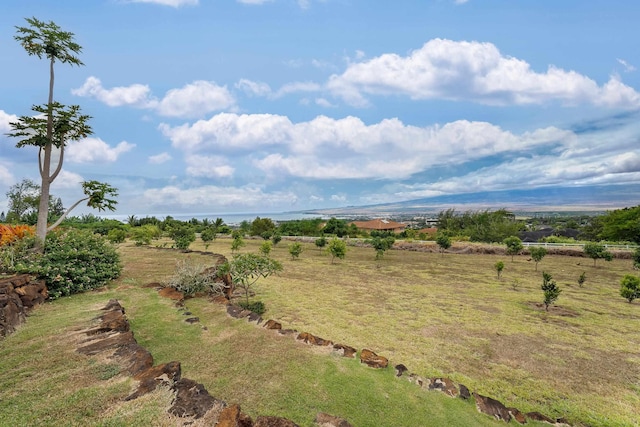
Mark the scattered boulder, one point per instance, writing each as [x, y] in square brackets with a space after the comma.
[345, 350]
[272, 324]
[192, 320]
[400, 370]
[537, 416]
[517, 415]
[238, 312]
[267, 421]
[254, 317]
[191, 399]
[444, 385]
[287, 331]
[492, 407]
[326, 420]
[165, 374]
[231, 416]
[312, 339]
[464, 392]
[373, 360]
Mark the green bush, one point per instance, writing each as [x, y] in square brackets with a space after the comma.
[190, 278]
[144, 234]
[16, 255]
[183, 236]
[255, 306]
[265, 247]
[73, 261]
[630, 287]
[499, 266]
[550, 290]
[295, 249]
[116, 235]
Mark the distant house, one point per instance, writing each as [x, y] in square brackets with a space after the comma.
[380, 225]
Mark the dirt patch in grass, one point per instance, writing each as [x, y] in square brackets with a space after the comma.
[554, 309]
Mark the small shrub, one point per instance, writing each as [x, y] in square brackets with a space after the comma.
[582, 279]
[190, 278]
[597, 251]
[116, 235]
[16, 254]
[255, 306]
[499, 266]
[237, 243]
[630, 287]
[266, 235]
[444, 242]
[321, 242]
[295, 249]
[515, 284]
[514, 246]
[207, 235]
[337, 248]
[183, 236]
[246, 269]
[636, 258]
[550, 290]
[276, 238]
[537, 253]
[265, 247]
[73, 261]
[144, 234]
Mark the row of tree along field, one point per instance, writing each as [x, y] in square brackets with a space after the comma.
[617, 226]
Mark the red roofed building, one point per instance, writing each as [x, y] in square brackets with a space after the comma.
[380, 225]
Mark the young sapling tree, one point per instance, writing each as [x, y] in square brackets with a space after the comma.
[550, 290]
[537, 253]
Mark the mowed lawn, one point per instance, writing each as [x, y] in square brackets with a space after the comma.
[440, 315]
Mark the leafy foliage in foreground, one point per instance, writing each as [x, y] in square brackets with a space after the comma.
[73, 261]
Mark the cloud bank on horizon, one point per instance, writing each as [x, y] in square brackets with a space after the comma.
[278, 105]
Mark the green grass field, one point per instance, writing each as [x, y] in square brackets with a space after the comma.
[439, 315]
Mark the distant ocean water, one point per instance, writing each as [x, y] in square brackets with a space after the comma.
[228, 218]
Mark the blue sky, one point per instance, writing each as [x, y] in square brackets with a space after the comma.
[222, 106]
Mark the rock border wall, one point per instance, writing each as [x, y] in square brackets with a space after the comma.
[18, 295]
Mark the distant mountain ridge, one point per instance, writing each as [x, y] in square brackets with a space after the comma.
[573, 199]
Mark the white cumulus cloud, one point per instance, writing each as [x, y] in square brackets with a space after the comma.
[327, 148]
[462, 70]
[5, 119]
[195, 99]
[159, 158]
[192, 100]
[135, 95]
[91, 150]
[211, 197]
